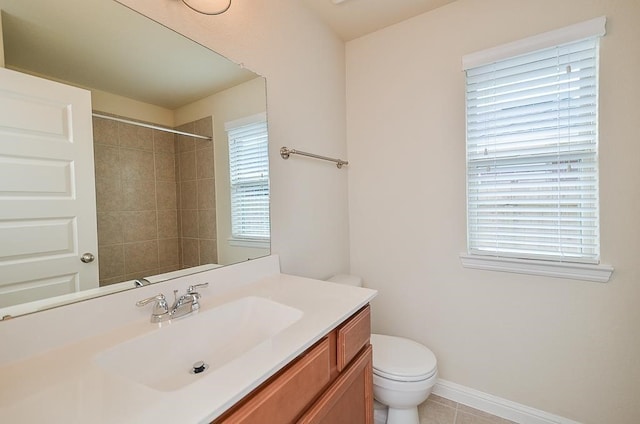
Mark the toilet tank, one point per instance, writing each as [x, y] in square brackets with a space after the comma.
[350, 280]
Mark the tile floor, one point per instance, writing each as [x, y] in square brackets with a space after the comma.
[438, 410]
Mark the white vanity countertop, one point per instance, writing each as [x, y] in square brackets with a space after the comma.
[64, 385]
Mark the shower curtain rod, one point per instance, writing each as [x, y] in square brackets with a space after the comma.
[154, 127]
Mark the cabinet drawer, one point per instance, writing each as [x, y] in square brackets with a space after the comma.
[286, 397]
[353, 336]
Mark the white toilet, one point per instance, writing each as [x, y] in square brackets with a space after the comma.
[404, 371]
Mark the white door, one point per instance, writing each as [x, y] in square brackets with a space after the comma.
[47, 189]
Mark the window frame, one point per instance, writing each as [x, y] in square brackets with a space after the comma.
[238, 239]
[555, 267]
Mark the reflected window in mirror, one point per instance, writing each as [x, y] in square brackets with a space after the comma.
[249, 178]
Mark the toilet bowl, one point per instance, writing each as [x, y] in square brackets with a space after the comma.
[404, 371]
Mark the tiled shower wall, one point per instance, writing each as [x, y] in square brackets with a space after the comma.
[138, 186]
[196, 194]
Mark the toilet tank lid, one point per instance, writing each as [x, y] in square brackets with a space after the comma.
[351, 280]
[402, 358]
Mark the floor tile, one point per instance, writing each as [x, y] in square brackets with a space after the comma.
[444, 401]
[432, 412]
[467, 415]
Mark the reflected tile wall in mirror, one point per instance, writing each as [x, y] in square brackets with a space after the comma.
[155, 199]
[197, 197]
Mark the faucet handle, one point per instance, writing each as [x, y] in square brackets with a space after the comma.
[192, 289]
[159, 298]
[160, 308]
[195, 296]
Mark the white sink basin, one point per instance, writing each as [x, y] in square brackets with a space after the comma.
[163, 359]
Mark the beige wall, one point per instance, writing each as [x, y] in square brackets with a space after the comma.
[567, 347]
[133, 109]
[303, 63]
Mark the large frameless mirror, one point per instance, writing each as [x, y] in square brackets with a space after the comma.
[178, 153]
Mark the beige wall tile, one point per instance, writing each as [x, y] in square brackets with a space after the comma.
[167, 224]
[204, 164]
[202, 144]
[206, 194]
[111, 261]
[168, 253]
[184, 143]
[188, 195]
[138, 195]
[166, 195]
[141, 256]
[163, 269]
[177, 168]
[189, 223]
[136, 165]
[110, 228]
[109, 281]
[165, 166]
[187, 165]
[163, 142]
[136, 137]
[105, 131]
[109, 195]
[207, 224]
[190, 252]
[140, 225]
[106, 162]
[208, 252]
[203, 127]
[180, 255]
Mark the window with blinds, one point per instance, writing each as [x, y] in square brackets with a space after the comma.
[532, 155]
[249, 177]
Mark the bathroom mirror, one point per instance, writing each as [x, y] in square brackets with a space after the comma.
[163, 199]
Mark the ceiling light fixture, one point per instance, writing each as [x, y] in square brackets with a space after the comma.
[208, 7]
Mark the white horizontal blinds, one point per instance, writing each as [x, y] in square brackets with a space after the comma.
[249, 174]
[532, 169]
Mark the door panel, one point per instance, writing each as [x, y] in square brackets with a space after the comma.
[47, 189]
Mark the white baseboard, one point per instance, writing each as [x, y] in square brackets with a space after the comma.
[496, 406]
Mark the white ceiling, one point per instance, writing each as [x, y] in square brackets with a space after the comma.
[354, 18]
[116, 50]
[113, 49]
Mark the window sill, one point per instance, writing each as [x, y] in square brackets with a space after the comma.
[574, 271]
[246, 242]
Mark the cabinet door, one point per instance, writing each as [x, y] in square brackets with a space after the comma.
[286, 397]
[349, 400]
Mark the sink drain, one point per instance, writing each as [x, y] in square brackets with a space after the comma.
[199, 367]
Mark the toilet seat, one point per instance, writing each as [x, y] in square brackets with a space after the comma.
[400, 359]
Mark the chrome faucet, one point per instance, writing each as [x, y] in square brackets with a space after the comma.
[183, 305]
[141, 282]
[160, 310]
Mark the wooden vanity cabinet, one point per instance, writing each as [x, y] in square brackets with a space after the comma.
[330, 383]
[349, 400]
